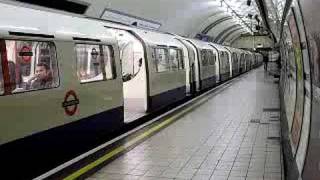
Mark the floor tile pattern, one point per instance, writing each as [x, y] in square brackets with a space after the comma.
[235, 135]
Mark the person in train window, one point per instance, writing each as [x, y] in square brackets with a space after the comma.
[42, 78]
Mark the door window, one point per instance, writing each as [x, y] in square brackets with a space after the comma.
[94, 63]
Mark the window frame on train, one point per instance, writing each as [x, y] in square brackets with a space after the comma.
[212, 57]
[1, 76]
[14, 87]
[179, 57]
[204, 57]
[110, 65]
[168, 60]
[208, 56]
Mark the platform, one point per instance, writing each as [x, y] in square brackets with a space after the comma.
[234, 135]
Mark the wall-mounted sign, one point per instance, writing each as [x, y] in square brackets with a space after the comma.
[117, 16]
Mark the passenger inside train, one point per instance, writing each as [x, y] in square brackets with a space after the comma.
[42, 78]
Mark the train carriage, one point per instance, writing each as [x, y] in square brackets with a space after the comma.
[251, 59]
[247, 58]
[68, 83]
[61, 81]
[208, 63]
[242, 61]
[235, 57]
[166, 68]
[225, 64]
[192, 66]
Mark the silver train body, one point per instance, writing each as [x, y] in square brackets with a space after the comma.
[96, 70]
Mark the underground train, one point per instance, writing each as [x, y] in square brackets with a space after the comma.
[67, 83]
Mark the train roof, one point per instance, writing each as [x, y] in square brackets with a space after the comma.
[20, 20]
[219, 47]
[157, 38]
[201, 44]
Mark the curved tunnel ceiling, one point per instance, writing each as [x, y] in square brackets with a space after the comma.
[222, 27]
[225, 32]
[183, 17]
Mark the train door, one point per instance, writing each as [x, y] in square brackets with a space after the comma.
[230, 65]
[235, 64]
[195, 66]
[190, 67]
[134, 75]
[242, 63]
[217, 64]
[247, 60]
[224, 65]
[231, 62]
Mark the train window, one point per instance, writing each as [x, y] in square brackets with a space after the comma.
[174, 59]
[204, 57]
[227, 57]
[161, 60]
[32, 65]
[222, 56]
[180, 58]
[131, 60]
[94, 63]
[235, 58]
[1, 77]
[242, 60]
[212, 57]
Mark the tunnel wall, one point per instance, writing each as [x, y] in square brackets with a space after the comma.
[247, 41]
[299, 90]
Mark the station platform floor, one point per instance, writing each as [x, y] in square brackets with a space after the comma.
[234, 135]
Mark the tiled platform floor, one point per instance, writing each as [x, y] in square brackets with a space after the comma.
[234, 135]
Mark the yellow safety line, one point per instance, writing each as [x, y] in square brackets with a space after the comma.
[123, 147]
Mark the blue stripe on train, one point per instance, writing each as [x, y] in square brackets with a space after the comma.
[34, 155]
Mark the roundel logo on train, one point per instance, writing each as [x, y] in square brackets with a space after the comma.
[26, 54]
[70, 103]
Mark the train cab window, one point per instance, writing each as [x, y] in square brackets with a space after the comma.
[176, 59]
[162, 63]
[94, 63]
[32, 65]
